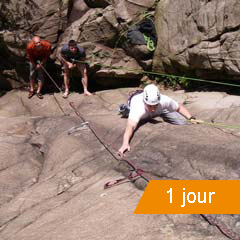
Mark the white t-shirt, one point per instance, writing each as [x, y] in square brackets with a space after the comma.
[138, 111]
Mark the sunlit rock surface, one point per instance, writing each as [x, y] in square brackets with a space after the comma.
[52, 182]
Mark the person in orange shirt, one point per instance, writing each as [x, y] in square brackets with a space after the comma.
[38, 52]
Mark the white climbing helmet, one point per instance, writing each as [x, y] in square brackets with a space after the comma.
[151, 95]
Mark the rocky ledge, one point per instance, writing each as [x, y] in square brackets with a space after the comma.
[53, 168]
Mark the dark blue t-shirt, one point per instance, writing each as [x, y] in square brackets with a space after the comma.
[70, 56]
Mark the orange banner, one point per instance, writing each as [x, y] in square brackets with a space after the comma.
[190, 197]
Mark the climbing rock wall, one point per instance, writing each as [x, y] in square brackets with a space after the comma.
[199, 38]
[52, 179]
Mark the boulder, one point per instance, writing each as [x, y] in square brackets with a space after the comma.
[101, 23]
[128, 10]
[113, 65]
[22, 20]
[76, 9]
[45, 19]
[97, 32]
[9, 79]
[198, 37]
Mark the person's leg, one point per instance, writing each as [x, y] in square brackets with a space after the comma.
[40, 78]
[32, 76]
[83, 70]
[39, 89]
[66, 80]
[174, 118]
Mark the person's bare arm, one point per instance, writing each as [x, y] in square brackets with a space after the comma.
[131, 126]
[182, 110]
[69, 64]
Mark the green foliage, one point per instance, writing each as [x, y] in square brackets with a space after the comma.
[184, 82]
[174, 82]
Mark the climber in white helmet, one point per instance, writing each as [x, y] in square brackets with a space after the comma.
[149, 104]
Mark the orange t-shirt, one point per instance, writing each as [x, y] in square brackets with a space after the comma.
[34, 54]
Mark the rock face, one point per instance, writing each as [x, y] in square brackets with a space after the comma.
[198, 37]
[88, 22]
[76, 10]
[20, 21]
[53, 169]
[98, 31]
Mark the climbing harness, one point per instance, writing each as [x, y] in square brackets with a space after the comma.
[132, 94]
[124, 109]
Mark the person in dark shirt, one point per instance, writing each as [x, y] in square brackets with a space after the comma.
[72, 55]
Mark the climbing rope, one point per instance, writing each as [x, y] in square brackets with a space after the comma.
[136, 173]
[60, 90]
[221, 226]
[150, 43]
[131, 177]
[140, 71]
[222, 125]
